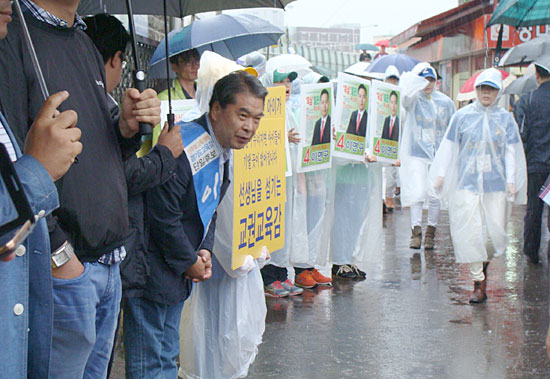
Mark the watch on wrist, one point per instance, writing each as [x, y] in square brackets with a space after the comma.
[62, 255]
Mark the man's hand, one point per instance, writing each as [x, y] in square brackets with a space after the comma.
[172, 140]
[207, 260]
[54, 141]
[397, 163]
[136, 108]
[293, 136]
[370, 158]
[334, 133]
[197, 271]
[69, 270]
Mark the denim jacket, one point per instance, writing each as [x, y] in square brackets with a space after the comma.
[26, 305]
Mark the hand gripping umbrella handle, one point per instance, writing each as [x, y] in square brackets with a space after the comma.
[139, 83]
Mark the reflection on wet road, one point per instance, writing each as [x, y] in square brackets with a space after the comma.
[411, 319]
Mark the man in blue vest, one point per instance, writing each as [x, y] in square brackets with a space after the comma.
[182, 219]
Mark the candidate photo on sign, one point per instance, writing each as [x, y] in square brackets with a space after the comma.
[391, 123]
[321, 132]
[358, 120]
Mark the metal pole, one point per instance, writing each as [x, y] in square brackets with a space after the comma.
[139, 75]
[170, 115]
[32, 51]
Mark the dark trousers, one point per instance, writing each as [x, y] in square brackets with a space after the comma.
[533, 216]
[271, 274]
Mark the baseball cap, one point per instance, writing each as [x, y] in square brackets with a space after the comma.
[279, 76]
[490, 77]
[428, 72]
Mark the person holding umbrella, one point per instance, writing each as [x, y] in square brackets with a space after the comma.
[91, 224]
[428, 115]
[186, 66]
[479, 171]
[533, 117]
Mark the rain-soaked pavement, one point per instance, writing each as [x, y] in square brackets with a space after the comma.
[411, 319]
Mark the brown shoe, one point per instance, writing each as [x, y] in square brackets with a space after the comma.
[389, 204]
[429, 238]
[478, 295]
[416, 238]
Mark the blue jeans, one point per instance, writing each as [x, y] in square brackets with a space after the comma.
[85, 317]
[151, 338]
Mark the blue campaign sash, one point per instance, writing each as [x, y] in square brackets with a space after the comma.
[205, 166]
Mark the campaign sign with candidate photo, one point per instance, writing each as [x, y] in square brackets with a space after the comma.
[316, 130]
[351, 117]
[384, 128]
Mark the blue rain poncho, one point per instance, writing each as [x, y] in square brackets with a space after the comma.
[425, 122]
[478, 172]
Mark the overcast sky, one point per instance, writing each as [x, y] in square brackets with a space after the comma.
[391, 16]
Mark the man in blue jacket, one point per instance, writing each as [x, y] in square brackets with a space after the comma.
[533, 117]
[182, 219]
[26, 309]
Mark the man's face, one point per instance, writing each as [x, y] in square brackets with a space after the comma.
[187, 69]
[236, 124]
[486, 95]
[392, 80]
[393, 105]
[324, 104]
[361, 98]
[288, 86]
[430, 87]
[5, 17]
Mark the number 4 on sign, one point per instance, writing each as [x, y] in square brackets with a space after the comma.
[306, 157]
[340, 143]
[377, 147]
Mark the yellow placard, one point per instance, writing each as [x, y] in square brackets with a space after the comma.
[259, 181]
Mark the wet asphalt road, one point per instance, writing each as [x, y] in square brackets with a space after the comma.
[411, 319]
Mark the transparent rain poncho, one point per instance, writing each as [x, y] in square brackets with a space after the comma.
[296, 239]
[223, 321]
[357, 215]
[425, 122]
[478, 171]
[318, 210]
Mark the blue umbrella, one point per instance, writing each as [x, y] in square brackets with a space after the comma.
[401, 61]
[366, 46]
[231, 36]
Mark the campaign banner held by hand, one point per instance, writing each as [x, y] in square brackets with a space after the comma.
[384, 130]
[315, 127]
[259, 183]
[351, 117]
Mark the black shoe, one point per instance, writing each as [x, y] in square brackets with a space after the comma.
[359, 273]
[344, 271]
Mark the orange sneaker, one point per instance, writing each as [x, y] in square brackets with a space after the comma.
[320, 278]
[305, 280]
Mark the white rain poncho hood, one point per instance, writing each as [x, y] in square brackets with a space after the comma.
[479, 169]
[223, 322]
[425, 122]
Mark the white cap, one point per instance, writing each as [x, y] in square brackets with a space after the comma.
[490, 77]
[391, 71]
[543, 62]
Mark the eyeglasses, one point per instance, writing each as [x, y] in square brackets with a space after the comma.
[190, 62]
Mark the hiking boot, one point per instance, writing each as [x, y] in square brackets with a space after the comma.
[344, 271]
[320, 278]
[389, 204]
[305, 280]
[429, 238]
[478, 295]
[275, 289]
[359, 273]
[416, 238]
[291, 288]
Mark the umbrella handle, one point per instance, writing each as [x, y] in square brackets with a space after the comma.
[139, 83]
